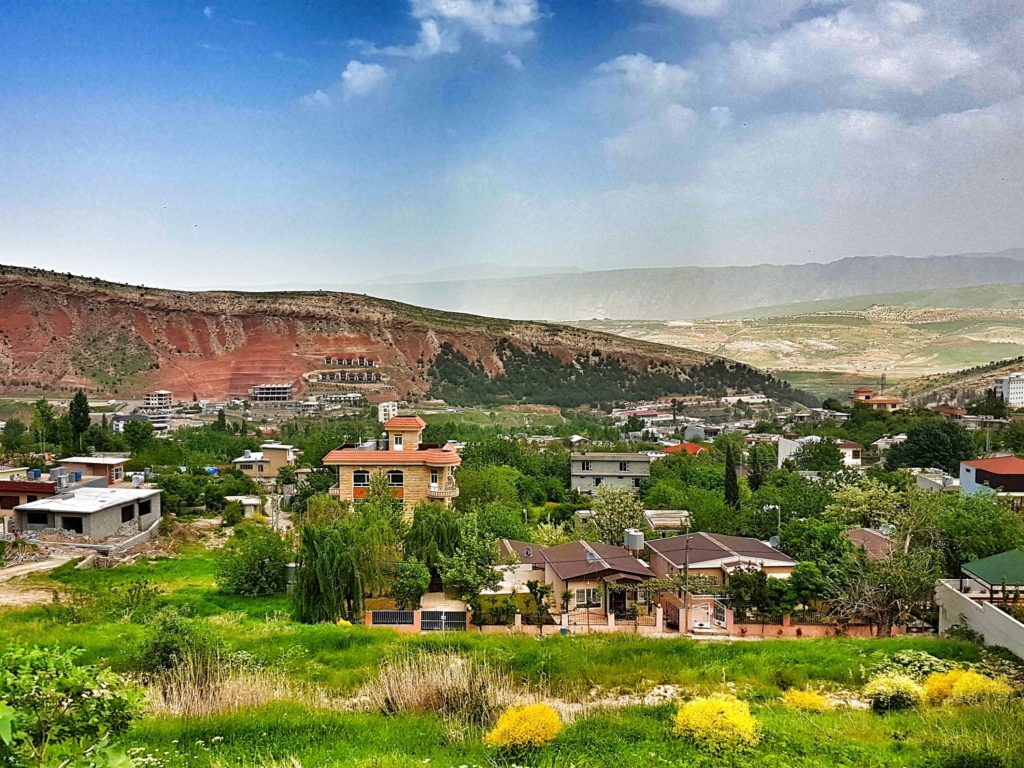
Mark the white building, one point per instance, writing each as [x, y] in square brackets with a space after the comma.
[158, 400]
[1011, 389]
[850, 451]
[387, 411]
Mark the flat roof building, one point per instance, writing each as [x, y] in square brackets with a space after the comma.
[96, 513]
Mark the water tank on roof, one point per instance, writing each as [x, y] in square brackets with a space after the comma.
[137, 478]
[634, 539]
[36, 474]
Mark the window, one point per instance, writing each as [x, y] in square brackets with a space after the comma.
[145, 507]
[37, 518]
[588, 598]
[127, 514]
[433, 477]
[245, 466]
[623, 466]
[636, 482]
[73, 524]
[396, 478]
[8, 502]
[586, 466]
[361, 479]
[597, 481]
[398, 442]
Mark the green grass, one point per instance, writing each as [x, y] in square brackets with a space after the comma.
[343, 658]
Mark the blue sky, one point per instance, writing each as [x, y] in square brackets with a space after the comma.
[265, 143]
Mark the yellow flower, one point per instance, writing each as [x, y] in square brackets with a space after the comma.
[973, 688]
[718, 723]
[806, 701]
[529, 726]
[892, 691]
[937, 687]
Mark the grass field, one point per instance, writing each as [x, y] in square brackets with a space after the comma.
[574, 669]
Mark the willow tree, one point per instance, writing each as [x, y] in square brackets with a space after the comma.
[379, 528]
[433, 535]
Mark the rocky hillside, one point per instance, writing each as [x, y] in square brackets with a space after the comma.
[958, 387]
[59, 332]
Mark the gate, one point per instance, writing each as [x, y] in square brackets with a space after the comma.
[440, 621]
[719, 614]
[391, 618]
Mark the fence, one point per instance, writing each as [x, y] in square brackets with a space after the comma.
[439, 621]
[418, 620]
[392, 618]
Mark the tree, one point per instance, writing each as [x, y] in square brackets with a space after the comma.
[78, 412]
[487, 484]
[991, 405]
[412, 580]
[12, 438]
[474, 565]
[319, 481]
[732, 483]
[816, 541]
[329, 586]
[869, 504]
[883, 591]
[807, 582]
[934, 443]
[614, 510]
[818, 456]
[541, 594]
[253, 562]
[434, 534]
[761, 463]
[632, 425]
[138, 434]
[286, 475]
[502, 521]
[44, 422]
[221, 424]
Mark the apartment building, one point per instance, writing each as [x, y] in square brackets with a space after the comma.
[275, 392]
[589, 471]
[1011, 389]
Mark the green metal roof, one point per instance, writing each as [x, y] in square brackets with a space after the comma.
[995, 570]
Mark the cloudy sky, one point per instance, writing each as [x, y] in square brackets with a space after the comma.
[261, 143]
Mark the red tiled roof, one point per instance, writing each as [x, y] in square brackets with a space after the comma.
[405, 422]
[606, 561]
[704, 547]
[876, 544]
[691, 448]
[999, 465]
[431, 457]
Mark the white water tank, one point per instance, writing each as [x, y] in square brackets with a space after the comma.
[634, 539]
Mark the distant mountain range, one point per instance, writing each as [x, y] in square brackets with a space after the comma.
[682, 293]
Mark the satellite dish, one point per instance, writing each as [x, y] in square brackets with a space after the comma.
[887, 529]
[773, 542]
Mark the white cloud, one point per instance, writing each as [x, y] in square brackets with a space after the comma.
[316, 99]
[359, 79]
[651, 79]
[208, 11]
[740, 14]
[720, 116]
[512, 60]
[443, 23]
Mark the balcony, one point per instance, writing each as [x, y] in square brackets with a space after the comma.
[439, 491]
[334, 491]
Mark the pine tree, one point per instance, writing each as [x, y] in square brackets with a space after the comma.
[79, 414]
[732, 483]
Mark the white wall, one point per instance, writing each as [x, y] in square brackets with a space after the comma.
[997, 627]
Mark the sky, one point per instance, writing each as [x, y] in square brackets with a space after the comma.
[190, 144]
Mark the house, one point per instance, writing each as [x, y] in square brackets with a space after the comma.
[996, 474]
[159, 400]
[935, 480]
[1010, 389]
[883, 444]
[111, 467]
[702, 431]
[661, 520]
[998, 572]
[865, 396]
[523, 563]
[415, 471]
[585, 569]
[876, 544]
[251, 505]
[690, 449]
[265, 463]
[716, 556]
[95, 513]
[588, 471]
[951, 412]
[850, 451]
[22, 485]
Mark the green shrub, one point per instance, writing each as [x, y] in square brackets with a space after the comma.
[233, 513]
[412, 580]
[173, 638]
[47, 697]
[915, 664]
[135, 600]
[253, 562]
[893, 691]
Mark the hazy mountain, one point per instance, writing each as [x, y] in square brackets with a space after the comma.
[694, 292]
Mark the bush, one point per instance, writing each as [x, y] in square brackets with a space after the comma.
[134, 601]
[806, 700]
[412, 580]
[972, 689]
[527, 727]
[915, 664]
[47, 697]
[171, 639]
[253, 563]
[717, 723]
[233, 513]
[893, 691]
[445, 684]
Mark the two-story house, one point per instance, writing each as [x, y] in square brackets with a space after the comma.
[415, 470]
[589, 471]
[265, 463]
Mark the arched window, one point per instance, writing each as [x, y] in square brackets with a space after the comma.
[396, 478]
[361, 479]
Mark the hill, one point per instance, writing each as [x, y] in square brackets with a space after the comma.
[59, 332]
[959, 386]
[830, 353]
[694, 292]
[999, 296]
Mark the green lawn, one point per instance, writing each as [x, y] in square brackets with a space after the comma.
[343, 658]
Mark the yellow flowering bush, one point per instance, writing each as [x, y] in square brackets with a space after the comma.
[806, 700]
[937, 687]
[529, 726]
[973, 688]
[718, 723]
[892, 691]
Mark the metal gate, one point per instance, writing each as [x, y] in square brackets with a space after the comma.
[392, 618]
[440, 621]
[718, 614]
